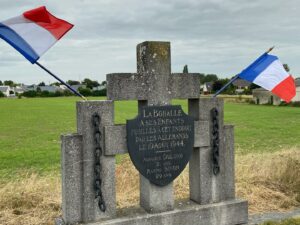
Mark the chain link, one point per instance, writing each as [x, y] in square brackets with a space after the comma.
[215, 140]
[96, 120]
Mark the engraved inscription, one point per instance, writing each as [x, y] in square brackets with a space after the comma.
[160, 142]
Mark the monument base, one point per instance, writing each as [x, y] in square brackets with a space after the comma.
[234, 212]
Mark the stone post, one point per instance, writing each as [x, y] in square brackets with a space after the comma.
[205, 187]
[154, 65]
[71, 167]
[90, 209]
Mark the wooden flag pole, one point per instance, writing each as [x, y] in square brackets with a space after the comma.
[236, 77]
[61, 81]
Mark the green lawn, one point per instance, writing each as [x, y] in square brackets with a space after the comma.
[30, 130]
[293, 221]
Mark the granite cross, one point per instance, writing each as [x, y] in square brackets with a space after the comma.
[153, 84]
[213, 196]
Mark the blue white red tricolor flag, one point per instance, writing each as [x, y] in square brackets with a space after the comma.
[34, 32]
[268, 72]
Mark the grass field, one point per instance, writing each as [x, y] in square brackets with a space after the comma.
[266, 139]
[293, 221]
[30, 130]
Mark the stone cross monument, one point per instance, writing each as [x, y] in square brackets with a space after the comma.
[88, 157]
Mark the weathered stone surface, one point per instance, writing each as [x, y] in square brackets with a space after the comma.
[71, 167]
[126, 86]
[115, 137]
[115, 140]
[206, 104]
[229, 174]
[185, 85]
[225, 213]
[153, 79]
[91, 211]
[153, 84]
[161, 200]
[205, 187]
[201, 134]
[132, 86]
[200, 176]
[154, 63]
[59, 221]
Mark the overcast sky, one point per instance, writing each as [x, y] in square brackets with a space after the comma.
[211, 36]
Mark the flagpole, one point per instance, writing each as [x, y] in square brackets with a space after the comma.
[61, 81]
[236, 77]
[226, 85]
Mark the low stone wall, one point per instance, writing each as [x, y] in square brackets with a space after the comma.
[262, 96]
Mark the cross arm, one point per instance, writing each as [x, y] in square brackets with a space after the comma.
[133, 86]
[185, 85]
[115, 137]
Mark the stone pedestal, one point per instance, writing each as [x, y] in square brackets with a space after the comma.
[212, 195]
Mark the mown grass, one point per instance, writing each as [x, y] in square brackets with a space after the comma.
[30, 146]
[30, 130]
[293, 221]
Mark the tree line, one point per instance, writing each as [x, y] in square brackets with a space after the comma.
[86, 89]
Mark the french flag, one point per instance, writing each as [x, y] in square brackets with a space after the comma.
[34, 32]
[268, 72]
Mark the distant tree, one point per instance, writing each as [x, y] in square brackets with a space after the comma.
[44, 94]
[286, 67]
[38, 89]
[202, 77]
[99, 93]
[55, 84]
[9, 83]
[67, 93]
[185, 69]
[42, 84]
[30, 94]
[104, 83]
[2, 95]
[73, 82]
[1, 83]
[210, 78]
[217, 85]
[85, 91]
[90, 83]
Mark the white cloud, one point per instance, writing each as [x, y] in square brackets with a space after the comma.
[215, 36]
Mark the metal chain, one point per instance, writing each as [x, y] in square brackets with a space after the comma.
[96, 120]
[215, 140]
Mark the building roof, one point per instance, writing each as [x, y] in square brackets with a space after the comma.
[241, 83]
[4, 88]
[48, 88]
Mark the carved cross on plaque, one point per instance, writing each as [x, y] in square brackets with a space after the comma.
[152, 85]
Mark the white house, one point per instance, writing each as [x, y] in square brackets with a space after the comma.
[7, 91]
[206, 88]
[241, 85]
[51, 89]
[75, 87]
[262, 96]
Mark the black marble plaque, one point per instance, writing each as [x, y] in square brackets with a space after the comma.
[160, 142]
